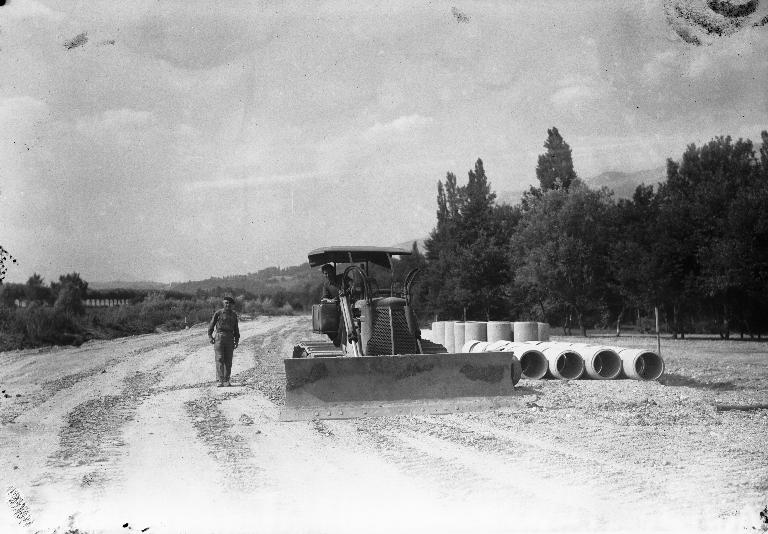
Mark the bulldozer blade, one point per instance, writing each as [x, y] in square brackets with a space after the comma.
[379, 385]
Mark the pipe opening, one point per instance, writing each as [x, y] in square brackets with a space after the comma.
[534, 364]
[649, 366]
[607, 364]
[570, 365]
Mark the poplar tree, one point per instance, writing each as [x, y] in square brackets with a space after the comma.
[555, 166]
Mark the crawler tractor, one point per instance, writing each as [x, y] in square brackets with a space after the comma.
[381, 365]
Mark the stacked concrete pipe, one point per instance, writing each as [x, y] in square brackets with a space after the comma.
[476, 330]
[458, 335]
[525, 331]
[543, 331]
[564, 362]
[499, 331]
[438, 332]
[600, 362]
[640, 364]
[448, 341]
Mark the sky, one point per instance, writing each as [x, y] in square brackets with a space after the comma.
[172, 141]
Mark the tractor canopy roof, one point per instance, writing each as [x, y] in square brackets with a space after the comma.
[377, 255]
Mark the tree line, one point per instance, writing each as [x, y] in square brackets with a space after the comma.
[695, 246]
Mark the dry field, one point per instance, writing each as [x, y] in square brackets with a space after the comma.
[131, 435]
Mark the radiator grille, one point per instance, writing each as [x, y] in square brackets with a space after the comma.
[381, 339]
[405, 343]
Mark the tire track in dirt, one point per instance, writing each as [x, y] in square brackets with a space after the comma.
[92, 431]
[214, 429]
[267, 375]
[385, 437]
[478, 432]
[229, 449]
[50, 388]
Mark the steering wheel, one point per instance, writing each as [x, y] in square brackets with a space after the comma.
[347, 286]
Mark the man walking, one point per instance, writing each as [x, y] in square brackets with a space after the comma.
[224, 325]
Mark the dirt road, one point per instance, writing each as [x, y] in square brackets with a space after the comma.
[132, 435]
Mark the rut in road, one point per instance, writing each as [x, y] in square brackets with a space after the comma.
[92, 430]
[269, 350]
[50, 388]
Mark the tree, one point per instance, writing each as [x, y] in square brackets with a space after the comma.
[70, 292]
[702, 241]
[467, 270]
[69, 301]
[35, 291]
[10, 293]
[636, 281]
[560, 250]
[555, 167]
[72, 279]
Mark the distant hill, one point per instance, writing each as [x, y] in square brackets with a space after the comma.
[264, 282]
[408, 245]
[624, 184]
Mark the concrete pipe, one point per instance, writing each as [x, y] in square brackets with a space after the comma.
[448, 341]
[438, 332]
[532, 360]
[564, 362]
[640, 364]
[600, 362]
[476, 330]
[480, 346]
[543, 331]
[499, 346]
[499, 331]
[470, 344]
[525, 331]
[458, 334]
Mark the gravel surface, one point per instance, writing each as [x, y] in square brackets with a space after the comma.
[132, 434]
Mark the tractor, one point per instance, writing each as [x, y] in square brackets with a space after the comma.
[380, 364]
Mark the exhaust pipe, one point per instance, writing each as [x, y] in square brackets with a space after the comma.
[600, 362]
[640, 364]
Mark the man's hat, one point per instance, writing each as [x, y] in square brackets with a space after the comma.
[328, 268]
[228, 299]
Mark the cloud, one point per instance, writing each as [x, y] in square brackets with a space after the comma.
[399, 126]
[202, 36]
[118, 118]
[20, 110]
[253, 181]
[573, 95]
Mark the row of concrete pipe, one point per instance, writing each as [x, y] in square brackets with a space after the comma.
[453, 334]
[540, 357]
